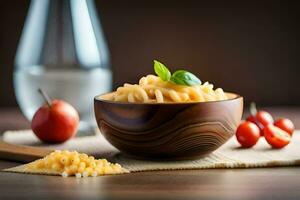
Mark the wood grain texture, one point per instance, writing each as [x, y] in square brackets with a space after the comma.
[230, 184]
[225, 184]
[168, 131]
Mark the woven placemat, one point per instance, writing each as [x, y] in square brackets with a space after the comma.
[230, 155]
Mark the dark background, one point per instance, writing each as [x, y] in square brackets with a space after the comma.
[249, 47]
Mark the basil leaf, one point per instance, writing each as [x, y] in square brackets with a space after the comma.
[162, 71]
[182, 77]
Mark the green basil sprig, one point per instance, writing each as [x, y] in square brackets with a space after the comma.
[182, 77]
[162, 71]
[179, 77]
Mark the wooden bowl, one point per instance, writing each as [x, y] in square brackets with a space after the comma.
[168, 130]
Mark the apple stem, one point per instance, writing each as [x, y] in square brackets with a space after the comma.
[253, 109]
[46, 97]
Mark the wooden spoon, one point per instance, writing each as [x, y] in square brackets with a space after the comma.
[21, 153]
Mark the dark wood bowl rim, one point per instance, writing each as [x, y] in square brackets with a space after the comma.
[98, 98]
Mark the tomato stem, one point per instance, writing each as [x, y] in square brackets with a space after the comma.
[253, 109]
[46, 97]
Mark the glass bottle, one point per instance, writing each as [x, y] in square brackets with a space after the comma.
[63, 51]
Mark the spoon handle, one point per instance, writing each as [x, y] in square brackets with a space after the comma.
[21, 153]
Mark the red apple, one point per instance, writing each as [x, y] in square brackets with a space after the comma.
[55, 122]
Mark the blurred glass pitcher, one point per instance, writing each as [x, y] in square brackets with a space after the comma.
[63, 51]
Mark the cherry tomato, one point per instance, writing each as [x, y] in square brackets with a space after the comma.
[276, 137]
[286, 125]
[247, 134]
[264, 118]
[252, 119]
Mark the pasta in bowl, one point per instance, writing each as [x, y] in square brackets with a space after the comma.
[151, 89]
[159, 119]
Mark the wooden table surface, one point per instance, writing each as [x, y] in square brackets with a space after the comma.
[259, 183]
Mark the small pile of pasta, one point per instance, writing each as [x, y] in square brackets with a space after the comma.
[151, 89]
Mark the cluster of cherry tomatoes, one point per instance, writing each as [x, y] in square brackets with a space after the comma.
[261, 124]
